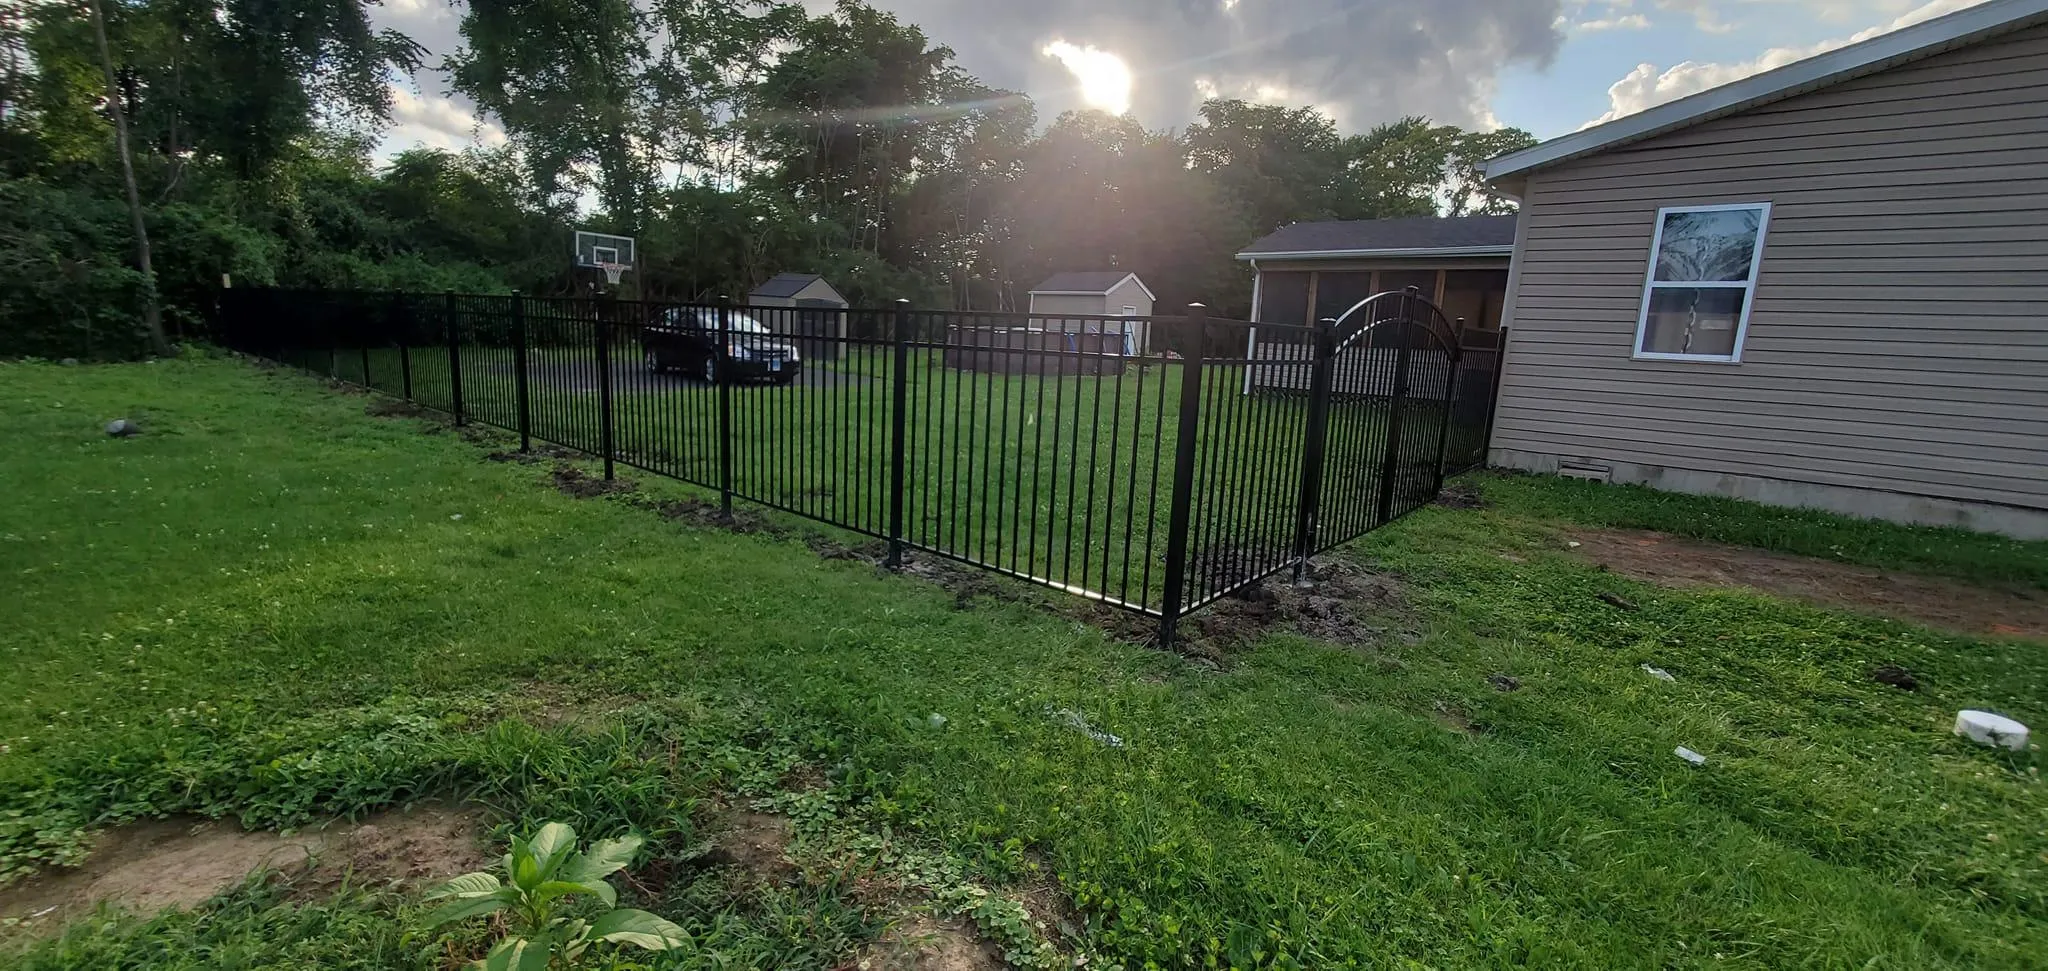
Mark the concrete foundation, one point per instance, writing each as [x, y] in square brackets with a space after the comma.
[1898, 507]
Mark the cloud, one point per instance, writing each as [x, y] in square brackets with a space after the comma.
[1362, 61]
[1647, 87]
[1633, 21]
[436, 122]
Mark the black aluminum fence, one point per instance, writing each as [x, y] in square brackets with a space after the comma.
[1043, 448]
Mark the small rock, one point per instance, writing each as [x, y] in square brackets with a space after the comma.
[1895, 676]
[1504, 682]
[1617, 600]
[457, 516]
[1574, 544]
[1689, 755]
[935, 720]
[123, 428]
[1658, 673]
[1986, 728]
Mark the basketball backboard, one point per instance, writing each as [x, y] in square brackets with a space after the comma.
[597, 249]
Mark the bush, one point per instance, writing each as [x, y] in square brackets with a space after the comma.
[65, 288]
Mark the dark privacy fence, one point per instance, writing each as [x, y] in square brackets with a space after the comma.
[1156, 464]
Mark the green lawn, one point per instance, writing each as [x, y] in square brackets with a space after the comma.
[274, 607]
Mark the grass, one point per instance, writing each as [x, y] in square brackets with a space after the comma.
[1976, 557]
[271, 606]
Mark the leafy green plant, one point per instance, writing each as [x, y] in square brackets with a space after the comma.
[544, 871]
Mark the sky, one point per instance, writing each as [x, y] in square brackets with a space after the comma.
[1549, 66]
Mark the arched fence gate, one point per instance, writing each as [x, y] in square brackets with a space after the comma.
[1156, 476]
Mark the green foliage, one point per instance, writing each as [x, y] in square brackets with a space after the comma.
[64, 291]
[736, 138]
[545, 872]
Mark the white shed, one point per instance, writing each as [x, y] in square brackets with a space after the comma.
[796, 290]
[1111, 293]
[815, 313]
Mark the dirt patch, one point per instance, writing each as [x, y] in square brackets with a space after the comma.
[1504, 682]
[393, 408]
[756, 843]
[575, 482]
[1341, 603]
[926, 944]
[1895, 676]
[181, 862]
[1942, 604]
[1462, 495]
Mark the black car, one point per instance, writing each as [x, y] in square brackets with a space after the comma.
[686, 339]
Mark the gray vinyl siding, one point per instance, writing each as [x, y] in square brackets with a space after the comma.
[1129, 294]
[1062, 303]
[1898, 337]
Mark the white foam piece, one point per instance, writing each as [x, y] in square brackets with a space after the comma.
[1988, 729]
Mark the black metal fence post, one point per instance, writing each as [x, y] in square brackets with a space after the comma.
[519, 371]
[454, 357]
[1314, 445]
[1500, 364]
[899, 401]
[1181, 502]
[401, 312]
[604, 385]
[723, 375]
[1390, 463]
[1447, 415]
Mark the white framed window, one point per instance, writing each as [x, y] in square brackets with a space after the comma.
[1701, 282]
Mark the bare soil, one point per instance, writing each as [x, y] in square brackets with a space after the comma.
[926, 944]
[575, 482]
[1341, 602]
[1934, 602]
[179, 863]
[757, 844]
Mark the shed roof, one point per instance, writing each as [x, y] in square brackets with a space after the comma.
[1963, 28]
[1093, 281]
[786, 284]
[1406, 236]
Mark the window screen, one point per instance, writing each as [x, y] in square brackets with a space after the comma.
[1475, 296]
[1340, 290]
[1283, 298]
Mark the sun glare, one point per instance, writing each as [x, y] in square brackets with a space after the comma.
[1105, 78]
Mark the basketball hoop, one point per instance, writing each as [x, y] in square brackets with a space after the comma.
[612, 271]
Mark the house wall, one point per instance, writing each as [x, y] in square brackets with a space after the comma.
[1896, 361]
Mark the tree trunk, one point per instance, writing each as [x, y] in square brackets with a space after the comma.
[152, 318]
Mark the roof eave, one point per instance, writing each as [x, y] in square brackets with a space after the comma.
[1412, 252]
[1925, 39]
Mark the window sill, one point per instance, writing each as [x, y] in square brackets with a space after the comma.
[1684, 358]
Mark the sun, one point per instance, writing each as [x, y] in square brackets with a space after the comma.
[1105, 78]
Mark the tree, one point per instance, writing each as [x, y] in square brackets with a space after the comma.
[604, 93]
[152, 316]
